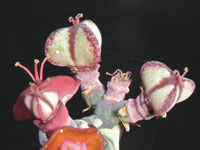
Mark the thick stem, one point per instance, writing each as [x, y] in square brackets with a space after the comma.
[91, 86]
[89, 79]
[117, 89]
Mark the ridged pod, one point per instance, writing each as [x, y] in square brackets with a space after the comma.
[161, 89]
[77, 47]
[42, 99]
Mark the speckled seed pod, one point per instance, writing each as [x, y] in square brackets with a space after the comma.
[77, 47]
[163, 88]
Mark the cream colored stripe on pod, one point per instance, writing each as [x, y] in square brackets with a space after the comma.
[159, 96]
[52, 97]
[34, 108]
[46, 110]
[186, 91]
[82, 50]
[177, 94]
[59, 49]
[28, 101]
[153, 75]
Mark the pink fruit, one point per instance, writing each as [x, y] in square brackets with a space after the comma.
[164, 88]
[161, 89]
[77, 47]
[41, 100]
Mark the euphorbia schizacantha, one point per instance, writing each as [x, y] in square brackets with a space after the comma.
[79, 48]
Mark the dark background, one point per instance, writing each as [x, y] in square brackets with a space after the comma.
[133, 32]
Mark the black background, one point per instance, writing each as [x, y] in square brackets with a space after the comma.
[133, 32]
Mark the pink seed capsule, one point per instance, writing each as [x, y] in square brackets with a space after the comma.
[163, 88]
[42, 99]
[77, 47]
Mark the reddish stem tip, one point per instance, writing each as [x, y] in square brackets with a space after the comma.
[76, 20]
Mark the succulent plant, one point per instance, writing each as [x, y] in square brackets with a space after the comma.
[79, 48]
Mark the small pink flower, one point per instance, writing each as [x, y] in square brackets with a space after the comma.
[42, 101]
